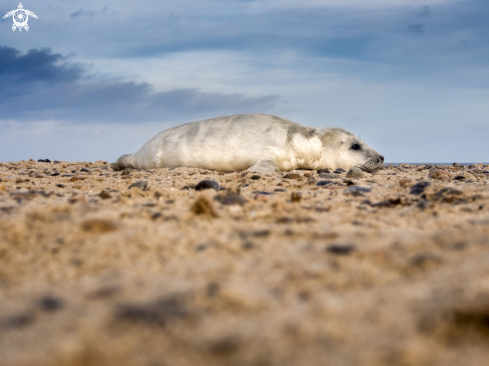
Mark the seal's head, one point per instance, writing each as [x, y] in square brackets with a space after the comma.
[344, 150]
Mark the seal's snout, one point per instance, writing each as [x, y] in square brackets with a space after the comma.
[381, 159]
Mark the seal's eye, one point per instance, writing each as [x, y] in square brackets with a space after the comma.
[356, 147]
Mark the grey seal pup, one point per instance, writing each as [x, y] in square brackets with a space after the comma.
[256, 142]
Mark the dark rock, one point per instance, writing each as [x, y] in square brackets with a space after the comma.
[50, 304]
[459, 177]
[154, 314]
[324, 183]
[349, 182]
[142, 184]
[247, 245]
[57, 162]
[321, 171]
[207, 184]
[44, 161]
[230, 198]
[329, 176]
[55, 174]
[188, 188]
[339, 171]
[418, 188]
[260, 233]
[84, 170]
[156, 215]
[105, 195]
[67, 175]
[292, 176]
[340, 249]
[263, 192]
[60, 185]
[255, 177]
[356, 191]
[280, 190]
[17, 321]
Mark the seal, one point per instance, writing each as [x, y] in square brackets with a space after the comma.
[256, 142]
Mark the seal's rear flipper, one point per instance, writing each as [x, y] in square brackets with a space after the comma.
[125, 161]
[263, 166]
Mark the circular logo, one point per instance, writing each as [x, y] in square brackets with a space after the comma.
[20, 18]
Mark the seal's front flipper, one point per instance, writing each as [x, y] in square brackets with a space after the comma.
[263, 166]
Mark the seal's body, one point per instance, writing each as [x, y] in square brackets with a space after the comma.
[257, 142]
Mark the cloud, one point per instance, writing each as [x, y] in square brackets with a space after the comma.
[40, 86]
[425, 12]
[82, 12]
[416, 28]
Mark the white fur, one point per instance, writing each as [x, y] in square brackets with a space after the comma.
[257, 142]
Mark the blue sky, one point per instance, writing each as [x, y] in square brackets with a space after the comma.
[93, 80]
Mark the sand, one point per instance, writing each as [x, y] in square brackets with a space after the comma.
[93, 272]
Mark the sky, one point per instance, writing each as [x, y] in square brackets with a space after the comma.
[92, 80]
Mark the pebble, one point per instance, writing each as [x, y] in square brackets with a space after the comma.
[57, 162]
[202, 206]
[230, 198]
[84, 170]
[340, 249]
[324, 183]
[459, 177]
[292, 176]
[142, 184]
[207, 184]
[44, 161]
[296, 196]
[126, 172]
[339, 171]
[50, 304]
[354, 172]
[255, 177]
[280, 190]
[321, 171]
[105, 195]
[418, 188]
[439, 174]
[405, 182]
[356, 191]
[329, 175]
[33, 173]
[55, 174]
[19, 180]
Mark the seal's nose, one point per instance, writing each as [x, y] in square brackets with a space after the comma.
[381, 158]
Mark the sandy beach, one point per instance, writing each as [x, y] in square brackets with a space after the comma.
[99, 267]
